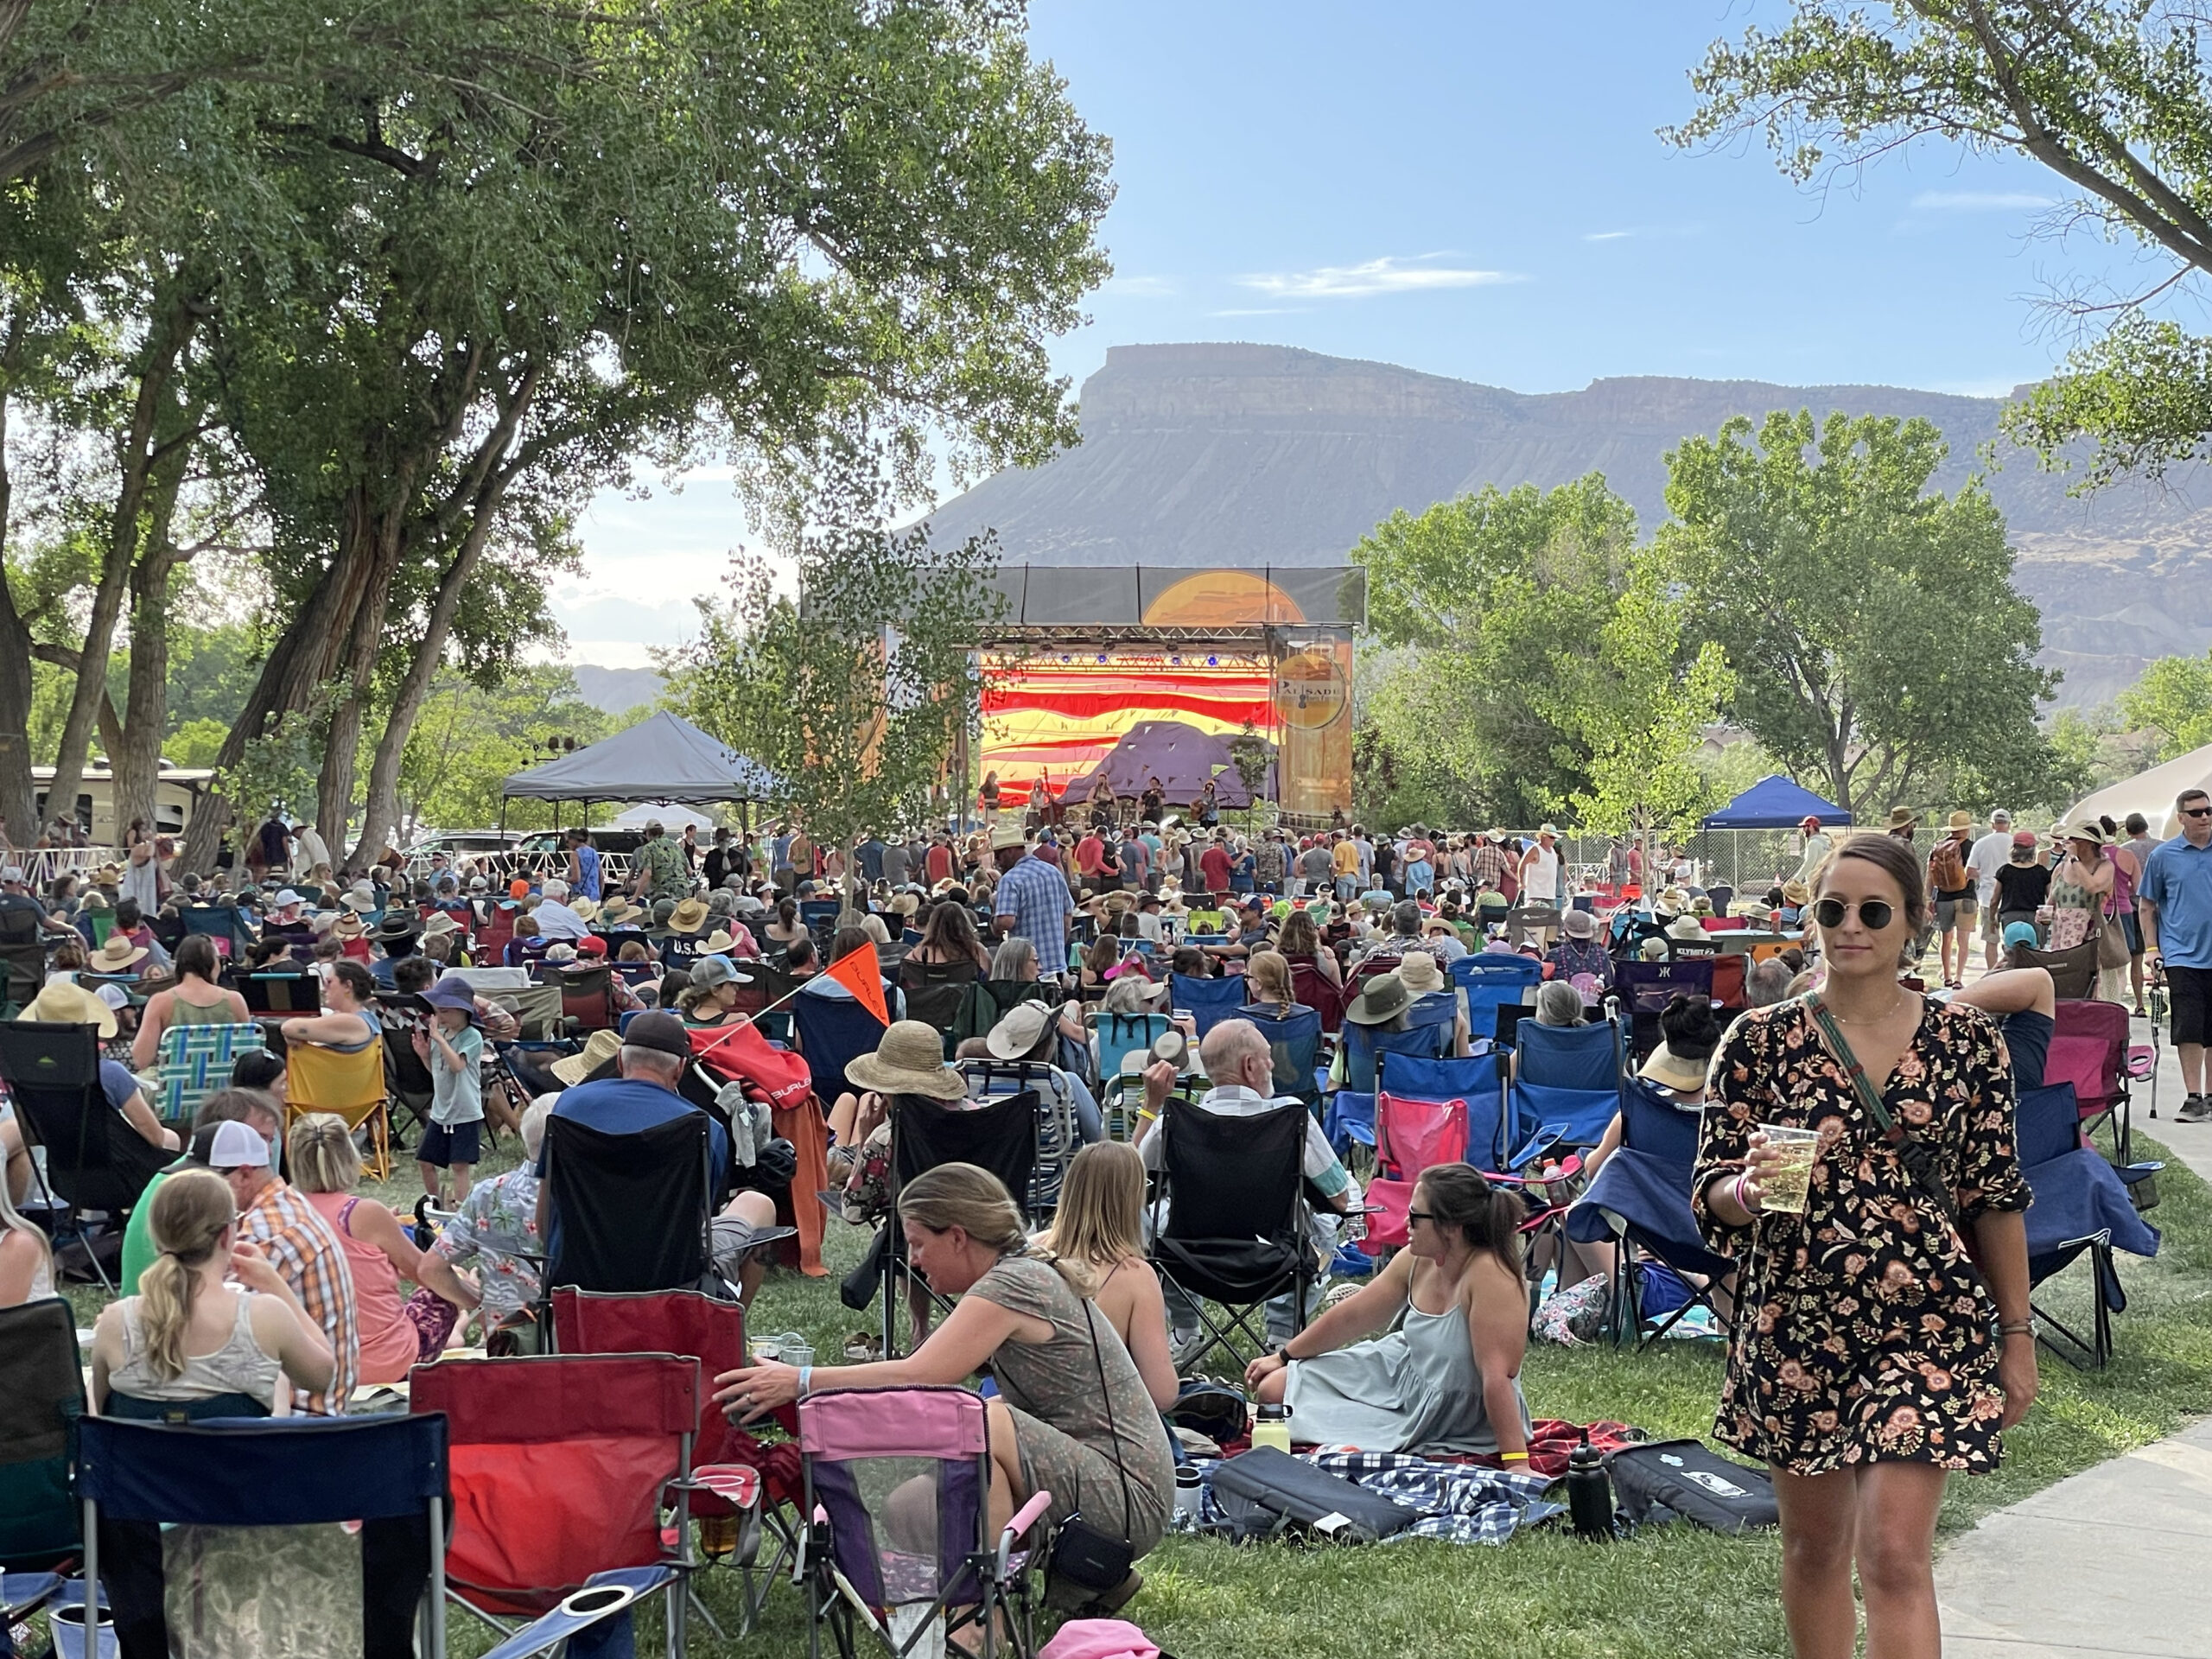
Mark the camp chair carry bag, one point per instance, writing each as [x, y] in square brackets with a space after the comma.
[1669, 1480]
[1265, 1492]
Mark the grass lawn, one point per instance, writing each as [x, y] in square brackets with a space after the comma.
[1671, 1594]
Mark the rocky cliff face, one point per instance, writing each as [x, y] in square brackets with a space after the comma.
[1230, 454]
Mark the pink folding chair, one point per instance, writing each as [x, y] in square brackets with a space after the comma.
[2089, 1049]
[898, 1486]
[1410, 1135]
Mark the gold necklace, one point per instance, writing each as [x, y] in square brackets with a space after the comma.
[1894, 1007]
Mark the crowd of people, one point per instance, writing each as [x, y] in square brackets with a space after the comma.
[256, 1277]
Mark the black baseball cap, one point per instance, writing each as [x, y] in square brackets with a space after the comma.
[656, 1029]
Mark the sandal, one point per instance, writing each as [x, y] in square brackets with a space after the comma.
[863, 1347]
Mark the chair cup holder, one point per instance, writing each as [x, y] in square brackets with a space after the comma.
[597, 1601]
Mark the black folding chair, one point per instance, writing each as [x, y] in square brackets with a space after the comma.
[282, 993]
[942, 996]
[41, 1401]
[94, 1158]
[999, 1136]
[1236, 1229]
[631, 1212]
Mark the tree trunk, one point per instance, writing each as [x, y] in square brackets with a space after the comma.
[148, 446]
[136, 757]
[334, 788]
[18, 796]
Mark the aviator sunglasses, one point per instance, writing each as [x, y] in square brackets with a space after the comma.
[1873, 913]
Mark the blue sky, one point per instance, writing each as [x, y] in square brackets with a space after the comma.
[1475, 190]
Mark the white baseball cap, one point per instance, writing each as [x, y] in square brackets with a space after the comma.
[236, 1147]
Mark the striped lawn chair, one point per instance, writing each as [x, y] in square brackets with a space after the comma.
[194, 1061]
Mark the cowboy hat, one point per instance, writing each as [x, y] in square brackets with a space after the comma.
[597, 1052]
[1547, 829]
[688, 917]
[1577, 925]
[617, 910]
[1379, 1000]
[909, 1060]
[586, 909]
[118, 953]
[70, 1005]
[718, 942]
[1017, 1031]
[398, 925]
[1958, 821]
[2089, 831]
[1796, 894]
[1673, 1071]
[1006, 835]
[1421, 974]
[347, 925]
[1902, 817]
[439, 925]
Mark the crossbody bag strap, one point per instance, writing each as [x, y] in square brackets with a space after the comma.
[1106, 1396]
[1918, 1168]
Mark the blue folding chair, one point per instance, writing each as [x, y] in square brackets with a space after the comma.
[1642, 989]
[1640, 1201]
[1567, 1082]
[1295, 1041]
[833, 1032]
[389, 1473]
[1364, 1046]
[1491, 981]
[2081, 1206]
[1209, 1000]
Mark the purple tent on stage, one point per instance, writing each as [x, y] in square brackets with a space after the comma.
[1182, 757]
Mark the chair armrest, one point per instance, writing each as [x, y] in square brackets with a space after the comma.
[1024, 1518]
[1540, 1143]
[2142, 1060]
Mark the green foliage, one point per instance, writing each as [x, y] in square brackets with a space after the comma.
[2111, 95]
[854, 692]
[1880, 650]
[2173, 700]
[212, 671]
[275, 770]
[1483, 597]
[195, 743]
[469, 738]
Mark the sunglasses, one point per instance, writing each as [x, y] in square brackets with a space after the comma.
[2196, 811]
[1412, 1216]
[1874, 914]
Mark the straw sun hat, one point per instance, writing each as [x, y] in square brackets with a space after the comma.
[909, 1060]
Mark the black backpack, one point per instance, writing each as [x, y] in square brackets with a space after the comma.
[1671, 1480]
[1263, 1492]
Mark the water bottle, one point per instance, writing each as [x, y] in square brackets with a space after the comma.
[1189, 1492]
[1271, 1426]
[1589, 1491]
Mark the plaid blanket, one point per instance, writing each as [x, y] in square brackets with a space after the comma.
[1460, 1503]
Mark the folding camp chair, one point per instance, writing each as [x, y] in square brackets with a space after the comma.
[898, 1488]
[727, 1487]
[1642, 989]
[2073, 971]
[1490, 979]
[832, 1032]
[587, 994]
[203, 1499]
[1567, 1082]
[760, 986]
[1410, 1135]
[1728, 981]
[1314, 988]
[1209, 1000]
[224, 923]
[999, 1136]
[597, 1186]
[2089, 1049]
[282, 993]
[819, 918]
[1059, 1137]
[350, 1086]
[490, 941]
[560, 1465]
[1235, 1231]
[41, 1401]
[1122, 1042]
[1363, 1047]
[194, 1061]
[23, 964]
[2081, 1206]
[407, 1080]
[942, 996]
[94, 1160]
[1294, 1040]
[1640, 1199]
[1478, 1081]
[1522, 920]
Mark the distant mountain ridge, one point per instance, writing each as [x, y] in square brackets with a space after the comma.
[1195, 455]
[616, 690]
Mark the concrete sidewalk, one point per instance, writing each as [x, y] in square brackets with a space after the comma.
[2116, 1560]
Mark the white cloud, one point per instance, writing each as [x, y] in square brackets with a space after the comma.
[1384, 276]
[1261, 311]
[1608, 236]
[1981, 201]
[1140, 288]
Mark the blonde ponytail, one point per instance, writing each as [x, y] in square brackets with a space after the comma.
[192, 1210]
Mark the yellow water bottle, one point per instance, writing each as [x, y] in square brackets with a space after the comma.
[1271, 1426]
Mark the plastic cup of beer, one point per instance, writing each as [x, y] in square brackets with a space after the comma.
[1788, 1189]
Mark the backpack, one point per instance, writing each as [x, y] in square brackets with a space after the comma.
[1671, 1480]
[1946, 873]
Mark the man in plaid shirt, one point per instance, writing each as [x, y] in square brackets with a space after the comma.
[1032, 900]
[299, 1247]
[1487, 860]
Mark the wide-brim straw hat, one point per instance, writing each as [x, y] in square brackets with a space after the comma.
[118, 953]
[597, 1052]
[1686, 927]
[1902, 817]
[1017, 1031]
[1796, 894]
[2088, 830]
[1674, 1071]
[688, 916]
[439, 925]
[909, 1060]
[1379, 1000]
[63, 1003]
[587, 910]
[1419, 972]
[719, 941]
[1958, 821]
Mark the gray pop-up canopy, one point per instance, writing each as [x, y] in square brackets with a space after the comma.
[665, 758]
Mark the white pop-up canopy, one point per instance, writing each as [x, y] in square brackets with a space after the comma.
[2151, 793]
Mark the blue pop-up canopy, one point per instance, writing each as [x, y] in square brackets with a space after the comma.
[1775, 803]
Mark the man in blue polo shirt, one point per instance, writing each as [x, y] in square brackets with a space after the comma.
[2175, 907]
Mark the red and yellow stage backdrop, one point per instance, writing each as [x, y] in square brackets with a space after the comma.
[1055, 716]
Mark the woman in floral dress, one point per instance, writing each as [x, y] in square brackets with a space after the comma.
[1871, 1357]
[2079, 885]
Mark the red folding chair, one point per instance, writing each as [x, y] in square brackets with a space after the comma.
[1410, 1136]
[559, 1466]
[731, 1471]
[2089, 1049]
[1728, 981]
[1310, 987]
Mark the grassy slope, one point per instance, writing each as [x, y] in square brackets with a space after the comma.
[1676, 1594]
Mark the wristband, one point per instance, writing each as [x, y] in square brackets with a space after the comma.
[1736, 1191]
[1146, 1116]
[1513, 1457]
[805, 1380]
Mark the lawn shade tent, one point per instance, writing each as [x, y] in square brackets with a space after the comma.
[665, 758]
[1182, 757]
[1743, 844]
[2151, 793]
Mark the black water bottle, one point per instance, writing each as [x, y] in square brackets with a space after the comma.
[1589, 1491]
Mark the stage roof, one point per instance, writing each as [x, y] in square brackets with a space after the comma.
[1165, 603]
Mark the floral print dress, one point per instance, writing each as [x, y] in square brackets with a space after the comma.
[1864, 1333]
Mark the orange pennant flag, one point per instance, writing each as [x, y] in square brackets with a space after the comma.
[859, 973]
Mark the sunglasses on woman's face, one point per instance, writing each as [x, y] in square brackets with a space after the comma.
[1412, 1216]
[1874, 914]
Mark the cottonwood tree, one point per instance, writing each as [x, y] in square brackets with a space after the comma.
[1878, 644]
[2111, 95]
[854, 688]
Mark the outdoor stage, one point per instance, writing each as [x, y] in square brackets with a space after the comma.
[1086, 656]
